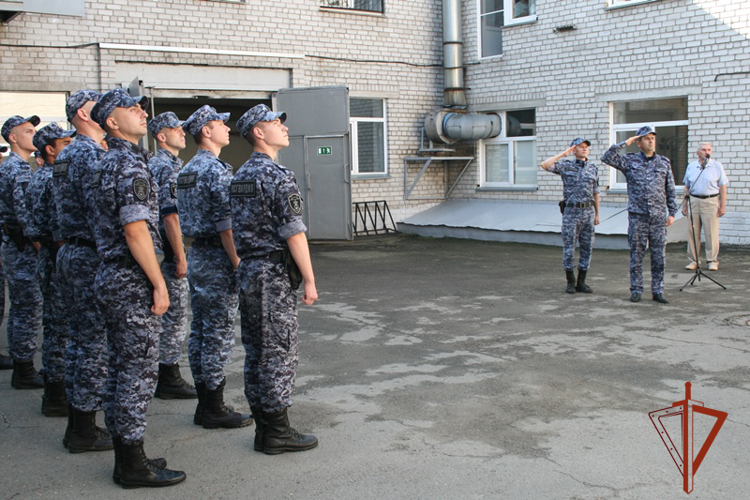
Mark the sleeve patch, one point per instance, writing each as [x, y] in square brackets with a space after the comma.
[60, 168]
[295, 203]
[242, 189]
[173, 189]
[96, 179]
[141, 189]
[188, 180]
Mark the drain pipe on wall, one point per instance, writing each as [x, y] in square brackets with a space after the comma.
[452, 123]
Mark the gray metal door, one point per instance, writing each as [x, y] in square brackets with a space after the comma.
[318, 154]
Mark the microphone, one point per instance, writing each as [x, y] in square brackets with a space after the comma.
[705, 161]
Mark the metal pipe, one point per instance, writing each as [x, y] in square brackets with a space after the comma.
[453, 45]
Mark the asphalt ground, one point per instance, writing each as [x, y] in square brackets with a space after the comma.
[441, 368]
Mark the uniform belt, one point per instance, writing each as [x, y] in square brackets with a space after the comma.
[123, 260]
[580, 205]
[212, 241]
[277, 257]
[82, 242]
[703, 197]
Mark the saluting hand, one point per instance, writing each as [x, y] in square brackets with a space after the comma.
[631, 140]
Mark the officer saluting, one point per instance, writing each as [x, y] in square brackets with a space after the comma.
[130, 286]
[270, 238]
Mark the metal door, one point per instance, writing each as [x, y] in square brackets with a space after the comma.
[318, 154]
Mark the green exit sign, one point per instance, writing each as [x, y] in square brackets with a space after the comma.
[325, 150]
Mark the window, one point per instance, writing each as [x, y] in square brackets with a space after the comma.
[494, 14]
[626, 3]
[670, 120]
[509, 160]
[368, 5]
[368, 135]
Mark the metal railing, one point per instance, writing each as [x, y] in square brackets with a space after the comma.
[372, 216]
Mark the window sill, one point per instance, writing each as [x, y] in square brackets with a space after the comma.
[530, 20]
[506, 188]
[617, 191]
[355, 12]
[629, 4]
[367, 177]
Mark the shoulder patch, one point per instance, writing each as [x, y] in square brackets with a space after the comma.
[173, 189]
[188, 180]
[96, 179]
[243, 189]
[60, 169]
[295, 203]
[141, 189]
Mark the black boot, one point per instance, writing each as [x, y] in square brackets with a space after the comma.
[25, 376]
[71, 425]
[581, 286]
[260, 427]
[54, 403]
[571, 277]
[86, 436]
[158, 463]
[6, 363]
[171, 385]
[200, 389]
[216, 414]
[136, 471]
[279, 436]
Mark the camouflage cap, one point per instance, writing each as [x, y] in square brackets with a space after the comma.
[15, 121]
[143, 101]
[200, 118]
[49, 133]
[115, 98]
[259, 113]
[164, 120]
[580, 140]
[78, 99]
[645, 130]
[3, 149]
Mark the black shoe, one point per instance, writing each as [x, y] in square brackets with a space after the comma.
[280, 437]
[658, 297]
[216, 414]
[6, 363]
[158, 463]
[25, 376]
[635, 297]
[581, 285]
[571, 279]
[200, 390]
[136, 471]
[171, 385]
[54, 403]
[86, 436]
[260, 428]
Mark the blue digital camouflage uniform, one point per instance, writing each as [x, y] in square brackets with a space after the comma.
[203, 196]
[43, 225]
[165, 166]
[266, 211]
[19, 259]
[127, 194]
[651, 199]
[580, 184]
[77, 262]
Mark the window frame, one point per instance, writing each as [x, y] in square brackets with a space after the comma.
[619, 4]
[354, 142]
[614, 128]
[514, 21]
[350, 6]
[511, 142]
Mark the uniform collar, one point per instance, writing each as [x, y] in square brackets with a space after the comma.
[125, 145]
[86, 138]
[167, 153]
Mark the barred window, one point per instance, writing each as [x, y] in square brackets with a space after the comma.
[367, 5]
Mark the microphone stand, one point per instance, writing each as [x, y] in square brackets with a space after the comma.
[697, 244]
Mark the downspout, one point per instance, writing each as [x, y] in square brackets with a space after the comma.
[451, 123]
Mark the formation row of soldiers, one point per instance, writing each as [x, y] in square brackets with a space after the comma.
[80, 242]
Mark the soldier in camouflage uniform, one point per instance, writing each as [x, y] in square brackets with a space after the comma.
[203, 196]
[580, 208]
[50, 141]
[166, 129]
[130, 286]
[651, 207]
[19, 254]
[6, 363]
[270, 238]
[77, 262]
